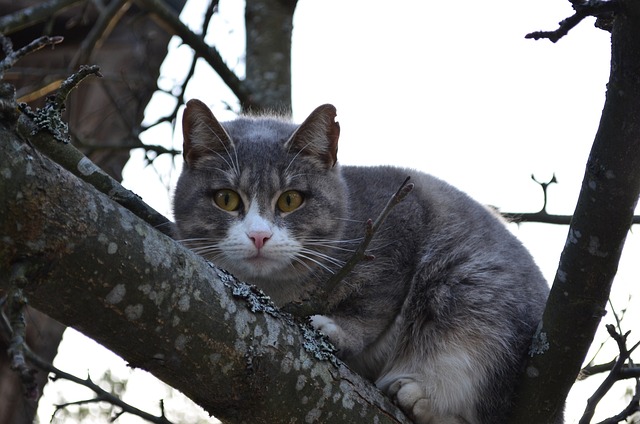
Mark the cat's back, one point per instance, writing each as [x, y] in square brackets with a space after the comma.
[439, 223]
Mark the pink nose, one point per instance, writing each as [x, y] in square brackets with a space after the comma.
[259, 238]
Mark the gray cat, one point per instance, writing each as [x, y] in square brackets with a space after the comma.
[443, 316]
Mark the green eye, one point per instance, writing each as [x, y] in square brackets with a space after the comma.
[227, 200]
[290, 201]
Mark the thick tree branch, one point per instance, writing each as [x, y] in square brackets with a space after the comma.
[78, 164]
[597, 233]
[162, 307]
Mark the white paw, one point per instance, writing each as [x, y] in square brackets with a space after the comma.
[324, 324]
[411, 397]
[329, 328]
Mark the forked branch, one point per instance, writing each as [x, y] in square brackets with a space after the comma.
[612, 377]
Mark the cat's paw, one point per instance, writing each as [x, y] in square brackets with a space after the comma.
[329, 328]
[411, 397]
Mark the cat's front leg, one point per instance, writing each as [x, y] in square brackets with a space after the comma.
[336, 333]
[411, 397]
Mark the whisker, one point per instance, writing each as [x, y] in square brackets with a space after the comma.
[320, 255]
[235, 166]
[317, 262]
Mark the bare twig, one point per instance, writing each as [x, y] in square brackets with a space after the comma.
[543, 216]
[105, 23]
[20, 353]
[613, 376]
[56, 102]
[370, 231]
[318, 301]
[202, 49]
[596, 8]
[11, 56]
[32, 15]
[630, 409]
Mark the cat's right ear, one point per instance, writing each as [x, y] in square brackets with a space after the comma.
[202, 133]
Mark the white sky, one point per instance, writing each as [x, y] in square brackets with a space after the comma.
[450, 88]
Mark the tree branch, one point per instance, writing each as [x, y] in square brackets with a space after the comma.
[596, 8]
[187, 322]
[202, 49]
[600, 224]
[31, 15]
[11, 56]
[38, 129]
[612, 377]
[20, 352]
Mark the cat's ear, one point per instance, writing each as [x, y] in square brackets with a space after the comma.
[202, 133]
[317, 136]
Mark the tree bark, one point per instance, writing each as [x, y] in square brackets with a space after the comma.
[95, 266]
[269, 25]
[601, 221]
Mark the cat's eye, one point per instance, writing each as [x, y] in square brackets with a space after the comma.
[227, 200]
[290, 201]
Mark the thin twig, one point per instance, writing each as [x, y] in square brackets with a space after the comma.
[370, 231]
[11, 56]
[57, 101]
[107, 20]
[30, 16]
[613, 376]
[318, 301]
[38, 129]
[202, 49]
[630, 409]
[20, 351]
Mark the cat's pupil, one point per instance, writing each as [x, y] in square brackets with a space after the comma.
[289, 201]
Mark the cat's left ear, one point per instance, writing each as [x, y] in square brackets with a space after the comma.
[317, 137]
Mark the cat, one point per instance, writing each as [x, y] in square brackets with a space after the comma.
[443, 316]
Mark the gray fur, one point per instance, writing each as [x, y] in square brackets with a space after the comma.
[443, 316]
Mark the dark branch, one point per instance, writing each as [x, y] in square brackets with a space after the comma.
[20, 353]
[595, 8]
[56, 102]
[612, 377]
[13, 56]
[202, 49]
[543, 216]
[107, 20]
[32, 15]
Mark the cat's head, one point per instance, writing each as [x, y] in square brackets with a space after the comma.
[259, 196]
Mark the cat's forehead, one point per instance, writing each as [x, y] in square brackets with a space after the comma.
[259, 130]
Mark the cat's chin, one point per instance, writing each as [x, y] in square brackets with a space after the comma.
[261, 271]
